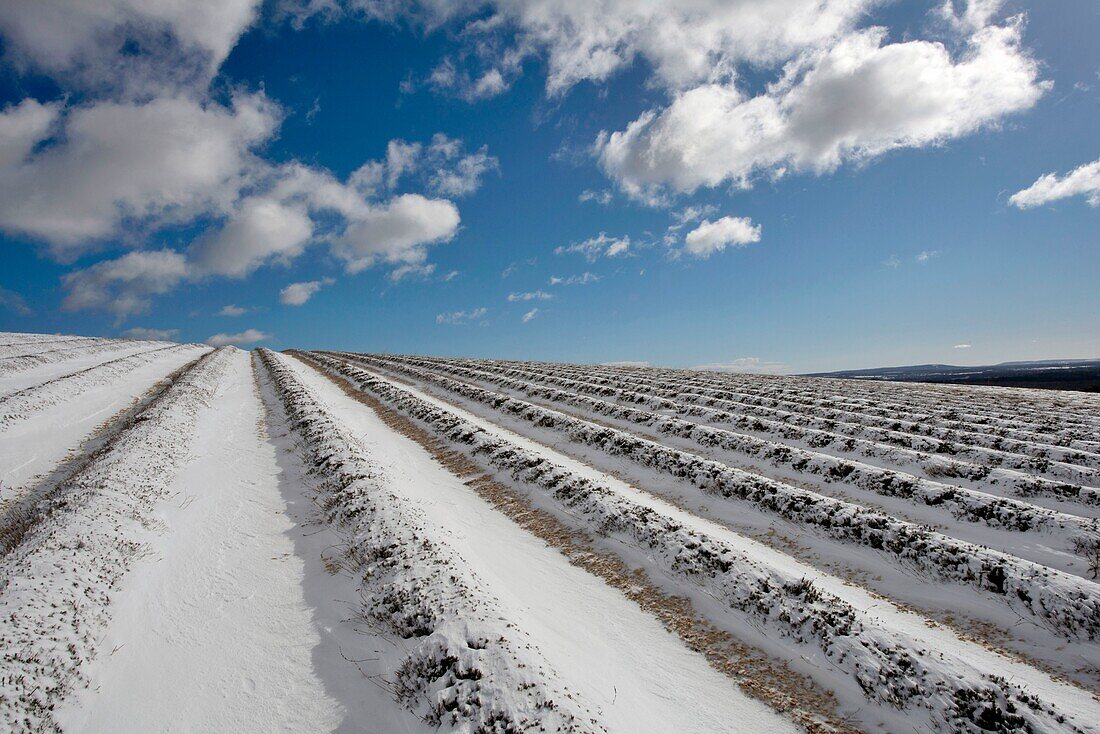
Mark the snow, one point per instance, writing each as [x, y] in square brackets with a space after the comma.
[956, 659]
[217, 541]
[213, 632]
[639, 675]
[32, 446]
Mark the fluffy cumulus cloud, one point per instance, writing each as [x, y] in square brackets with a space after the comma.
[684, 42]
[258, 230]
[297, 294]
[248, 336]
[711, 237]
[396, 232]
[136, 142]
[124, 285]
[1081, 181]
[128, 43]
[116, 164]
[854, 100]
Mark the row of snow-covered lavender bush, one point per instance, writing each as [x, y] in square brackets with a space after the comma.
[894, 671]
[826, 428]
[769, 391]
[1064, 603]
[1032, 452]
[30, 359]
[12, 343]
[874, 478]
[76, 544]
[1068, 417]
[16, 406]
[962, 503]
[465, 668]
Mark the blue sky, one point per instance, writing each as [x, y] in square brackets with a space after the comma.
[768, 186]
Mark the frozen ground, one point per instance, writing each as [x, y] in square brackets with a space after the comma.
[197, 540]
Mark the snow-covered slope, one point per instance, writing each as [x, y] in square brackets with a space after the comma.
[217, 541]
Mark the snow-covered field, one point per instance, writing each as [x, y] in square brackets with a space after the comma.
[216, 540]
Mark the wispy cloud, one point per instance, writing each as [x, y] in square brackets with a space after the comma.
[232, 310]
[753, 365]
[248, 336]
[530, 315]
[15, 302]
[593, 248]
[582, 279]
[530, 296]
[926, 255]
[459, 318]
[139, 332]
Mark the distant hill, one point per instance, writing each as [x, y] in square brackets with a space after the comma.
[1054, 374]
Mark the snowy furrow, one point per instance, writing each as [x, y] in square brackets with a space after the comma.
[943, 415]
[467, 668]
[1059, 601]
[1044, 412]
[823, 432]
[18, 406]
[17, 338]
[947, 687]
[56, 585]
[975, 506]
[30, 360]
[18, 348]
[962, 503]
[1033, 454]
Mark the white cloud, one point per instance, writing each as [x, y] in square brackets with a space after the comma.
[248, 336]
[232, 310]
[411, 271]
[684, 42]
[461, 317]
[297, 294]
[456, 174]
[1081, 181]
[926, 255]
[582, 279]
[595, 247]
[850, 102]
[14, 302]
[962, 346]
[892, 262]
[158, 335]
[259, 230]
[602, 197]
[753, 365]
[111, 163]
[138, 43]
[626, 363]
[711, 237]
[530, 296]
[530, 315]
[396, 232]
[123, 286]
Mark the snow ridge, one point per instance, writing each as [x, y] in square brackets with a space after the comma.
[466, 668]
[56, 585]
[894, 671]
